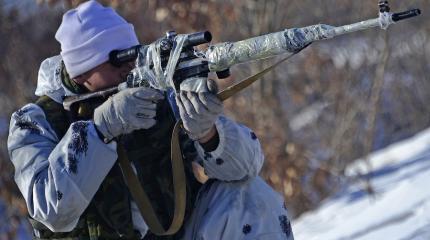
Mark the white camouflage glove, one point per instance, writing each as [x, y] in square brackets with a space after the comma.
[199, 111]
[126, 111]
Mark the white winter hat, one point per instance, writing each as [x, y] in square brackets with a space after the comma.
[89, 33]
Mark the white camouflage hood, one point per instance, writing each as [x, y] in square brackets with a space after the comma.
[49, 80]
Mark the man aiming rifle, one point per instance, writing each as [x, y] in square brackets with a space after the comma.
[66, 161]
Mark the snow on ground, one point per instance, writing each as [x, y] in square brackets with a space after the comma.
[399, 209]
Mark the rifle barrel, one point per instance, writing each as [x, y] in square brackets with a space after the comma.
[224, 55]
[405, 15]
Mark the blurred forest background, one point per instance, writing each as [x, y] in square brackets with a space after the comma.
[336, 101]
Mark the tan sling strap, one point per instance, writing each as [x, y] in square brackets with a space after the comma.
[141, 198]
[179, 184]
[230, 91]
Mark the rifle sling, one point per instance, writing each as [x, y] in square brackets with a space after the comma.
[141, 198]
[179, 186]
[230, 91]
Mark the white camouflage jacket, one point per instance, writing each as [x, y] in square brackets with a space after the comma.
[59, 177]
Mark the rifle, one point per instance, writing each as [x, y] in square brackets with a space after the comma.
[169, 61]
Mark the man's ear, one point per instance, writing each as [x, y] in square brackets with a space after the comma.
[79, 79]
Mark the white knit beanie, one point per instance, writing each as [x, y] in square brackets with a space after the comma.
[89, 33]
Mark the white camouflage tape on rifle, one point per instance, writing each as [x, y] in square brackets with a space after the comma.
[224, 55]
[144, 75]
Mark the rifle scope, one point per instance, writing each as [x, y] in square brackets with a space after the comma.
[118, 57]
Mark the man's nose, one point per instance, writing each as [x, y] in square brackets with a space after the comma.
[125, 69]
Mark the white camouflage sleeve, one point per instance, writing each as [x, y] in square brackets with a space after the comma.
[57, 177]
[238, 156]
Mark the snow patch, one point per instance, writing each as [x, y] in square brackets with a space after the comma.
[399, 209]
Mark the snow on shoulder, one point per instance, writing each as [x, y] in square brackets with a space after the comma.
[399, 209]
